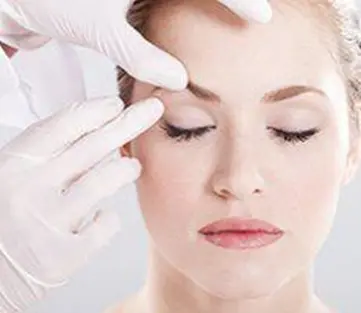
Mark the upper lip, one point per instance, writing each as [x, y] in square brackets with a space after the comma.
[240, 225]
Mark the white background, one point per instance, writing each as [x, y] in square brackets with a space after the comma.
[118, 270]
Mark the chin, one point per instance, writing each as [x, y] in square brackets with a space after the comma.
[239, 292]
[243, 286]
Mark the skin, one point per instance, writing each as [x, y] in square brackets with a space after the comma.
[241, 168]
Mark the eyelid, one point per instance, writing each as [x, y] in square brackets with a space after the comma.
[287, 137]
[185, 128]
[189, 116]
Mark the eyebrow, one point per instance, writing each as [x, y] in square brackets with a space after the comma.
[283, 93]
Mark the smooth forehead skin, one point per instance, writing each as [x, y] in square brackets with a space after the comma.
[219, 49]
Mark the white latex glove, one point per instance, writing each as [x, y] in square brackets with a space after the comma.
[102, 25]
[52, 176]
[17, 36]
[257, 10]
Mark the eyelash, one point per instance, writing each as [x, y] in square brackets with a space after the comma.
[182, 134]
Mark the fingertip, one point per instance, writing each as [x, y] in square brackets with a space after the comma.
[169, 75]
[156, 106]
[257, 10]
[173, 76]
[150, 64]
[131, 166]
[137, 166]
[264, 14]
[164, 71]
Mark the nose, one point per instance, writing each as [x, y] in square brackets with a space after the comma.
[237, 174]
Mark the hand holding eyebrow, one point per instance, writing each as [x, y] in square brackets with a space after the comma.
[57, 170]
[103, 26]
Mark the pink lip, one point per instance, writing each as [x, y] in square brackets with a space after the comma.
[236, 233]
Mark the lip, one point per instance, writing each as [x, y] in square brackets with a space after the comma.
[241, 234]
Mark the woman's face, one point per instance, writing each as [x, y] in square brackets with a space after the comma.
[249, 83]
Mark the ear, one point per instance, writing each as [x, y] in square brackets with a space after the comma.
[353, 161]
[125, 151]
[354, 155]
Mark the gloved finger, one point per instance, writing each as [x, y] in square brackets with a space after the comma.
[16, 36]
[149, 64]
[51, 136]
[73, 250]
[258, 10]
[93, 148]
[8, 26]
[89, 240]
[80, 198]
[99, 232]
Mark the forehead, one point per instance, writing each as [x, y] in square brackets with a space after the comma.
[219, 49]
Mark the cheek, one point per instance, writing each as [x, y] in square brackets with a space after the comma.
[312, 188]
[172, 181]
[302, 187]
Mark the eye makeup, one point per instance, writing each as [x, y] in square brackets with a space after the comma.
[188, 112]
[180, 134]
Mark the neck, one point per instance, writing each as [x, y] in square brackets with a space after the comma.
[169, 291]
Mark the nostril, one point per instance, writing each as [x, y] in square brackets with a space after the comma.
[226, 194]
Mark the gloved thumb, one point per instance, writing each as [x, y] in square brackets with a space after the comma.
[258, 10]
[143, 60]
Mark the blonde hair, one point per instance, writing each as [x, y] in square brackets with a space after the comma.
[342, 19]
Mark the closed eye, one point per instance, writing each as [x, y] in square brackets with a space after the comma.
[187, 134]
[295, 137]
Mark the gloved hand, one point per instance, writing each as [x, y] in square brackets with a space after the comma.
[102, 25]
[52, 176]
[16, 36]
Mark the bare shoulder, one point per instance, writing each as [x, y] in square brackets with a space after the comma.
[129, 305]
[119, 307]
[320, 307]
[115, 308]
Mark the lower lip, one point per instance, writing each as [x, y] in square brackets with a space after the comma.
[243, 240]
